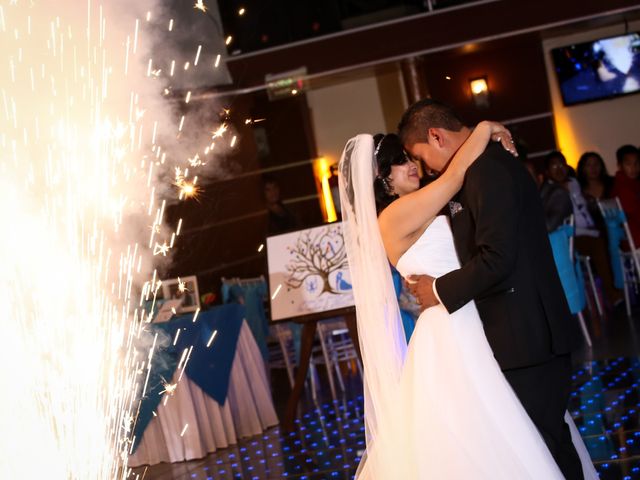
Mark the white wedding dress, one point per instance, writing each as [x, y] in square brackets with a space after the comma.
[461, 418]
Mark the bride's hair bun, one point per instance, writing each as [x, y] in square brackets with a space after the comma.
[388, 151]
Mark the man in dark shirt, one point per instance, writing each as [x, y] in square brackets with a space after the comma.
[281, 220]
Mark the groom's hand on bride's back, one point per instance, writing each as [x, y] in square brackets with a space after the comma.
[421, 287]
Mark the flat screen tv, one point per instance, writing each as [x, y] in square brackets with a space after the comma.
[604, 68]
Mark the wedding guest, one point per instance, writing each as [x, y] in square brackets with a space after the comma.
[596, 183]
[627, 187]
[281, 219]
[534, 171]
[556, 200]
[589, 240]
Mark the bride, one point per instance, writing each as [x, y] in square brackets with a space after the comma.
[439, 408]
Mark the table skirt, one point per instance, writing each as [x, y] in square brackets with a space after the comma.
[247, 411]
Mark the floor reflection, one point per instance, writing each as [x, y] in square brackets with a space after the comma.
[605, 405]
[327, 439]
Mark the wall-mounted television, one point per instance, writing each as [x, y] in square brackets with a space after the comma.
[604, 68]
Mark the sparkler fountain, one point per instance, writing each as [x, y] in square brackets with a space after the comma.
[82, 208]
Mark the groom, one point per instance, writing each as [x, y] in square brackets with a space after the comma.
[507, 268]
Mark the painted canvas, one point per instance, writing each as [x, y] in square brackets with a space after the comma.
[308, 272]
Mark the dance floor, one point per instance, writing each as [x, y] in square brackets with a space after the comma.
[326, 441]
[328, 437]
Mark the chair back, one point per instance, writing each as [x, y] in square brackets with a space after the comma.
[334, 337]
[617, 231]
[571, 222]
[286, 356]
[613, 208]
[561, 241]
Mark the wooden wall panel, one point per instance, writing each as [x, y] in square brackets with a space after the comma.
[515, 74]
[224, 226]
[420, 33]
[518, 87]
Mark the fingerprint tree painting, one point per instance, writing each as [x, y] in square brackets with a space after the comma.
[317, 254]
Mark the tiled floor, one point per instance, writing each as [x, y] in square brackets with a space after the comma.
[605, 404]
[328, 437]
[324, 445]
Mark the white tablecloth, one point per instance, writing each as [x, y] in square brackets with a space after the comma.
[248, 411]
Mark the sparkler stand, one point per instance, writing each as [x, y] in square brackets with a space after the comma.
[309, 326]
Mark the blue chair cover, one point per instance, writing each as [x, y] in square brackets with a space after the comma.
[581, 300]
[570, 274]
[208, 367]
[615, 236]
[408, 322]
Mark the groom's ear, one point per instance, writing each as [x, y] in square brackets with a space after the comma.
[435, 136]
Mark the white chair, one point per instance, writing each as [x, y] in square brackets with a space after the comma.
[337, 347]
[585, 262]
[284, 354]
[630, 260]
[572, 256]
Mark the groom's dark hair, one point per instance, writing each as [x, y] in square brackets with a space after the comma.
[423, 115]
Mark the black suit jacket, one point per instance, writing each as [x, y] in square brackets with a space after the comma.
[507, 264]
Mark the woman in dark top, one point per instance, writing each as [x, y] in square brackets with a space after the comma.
[556, 199]
[596, 183]
[280, 218]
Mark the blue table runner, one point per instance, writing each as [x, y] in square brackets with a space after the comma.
[208, 367]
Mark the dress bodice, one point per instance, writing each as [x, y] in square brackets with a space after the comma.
[433, 253]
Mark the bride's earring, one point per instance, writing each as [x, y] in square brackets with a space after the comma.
[387, 186]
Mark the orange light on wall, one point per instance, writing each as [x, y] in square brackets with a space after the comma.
[322, 172]
[566, 138]
[480, 91]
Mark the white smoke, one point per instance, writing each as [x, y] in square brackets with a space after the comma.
[88, 149]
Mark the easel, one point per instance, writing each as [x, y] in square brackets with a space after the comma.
[309, 327]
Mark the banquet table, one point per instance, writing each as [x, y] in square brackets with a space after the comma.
[223, 394]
